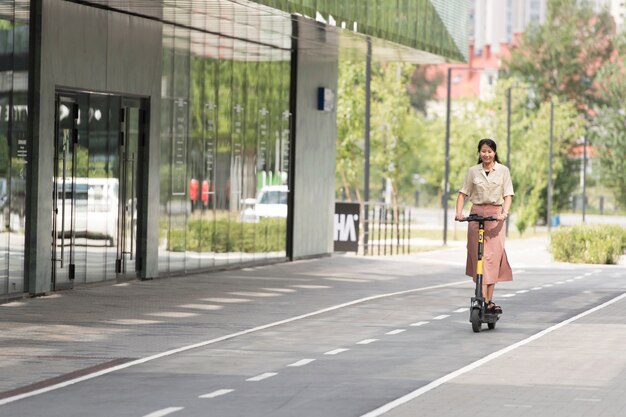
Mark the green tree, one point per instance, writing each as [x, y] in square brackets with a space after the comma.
[562, 56]
[350, 129]
[423, 85]
[609, 130]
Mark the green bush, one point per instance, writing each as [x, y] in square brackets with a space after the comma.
[597, 244]
[221, 236]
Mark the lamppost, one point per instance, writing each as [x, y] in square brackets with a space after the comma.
[446, 187]
[549, 204]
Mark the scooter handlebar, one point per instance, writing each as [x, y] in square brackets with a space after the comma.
[477, 218]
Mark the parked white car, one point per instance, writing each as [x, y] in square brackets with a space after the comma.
[271, 201]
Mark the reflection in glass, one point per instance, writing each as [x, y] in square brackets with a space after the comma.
[234, 130]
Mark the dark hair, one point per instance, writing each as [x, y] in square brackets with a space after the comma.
[491, 144]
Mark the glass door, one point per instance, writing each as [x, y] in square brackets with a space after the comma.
[64, 196]
[131, 123]
[95, 188]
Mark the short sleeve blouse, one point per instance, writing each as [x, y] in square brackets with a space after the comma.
[487, 189]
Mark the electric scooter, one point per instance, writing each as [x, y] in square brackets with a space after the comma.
[479, 313]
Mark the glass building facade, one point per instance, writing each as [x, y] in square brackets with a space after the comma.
[156, 138]
[14, 60]
[225, 154]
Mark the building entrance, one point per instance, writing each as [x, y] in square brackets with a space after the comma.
[95, 187]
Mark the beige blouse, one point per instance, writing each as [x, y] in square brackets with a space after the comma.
[487, 189]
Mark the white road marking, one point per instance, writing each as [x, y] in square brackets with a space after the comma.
[441, 317]
[569, 280]
[397, 331]
[172, 352]
[164, 412]
[366, 341]
[302, 362]
[285, 290]
[518, 405]
[522, 291]
[226, 300]
[549, 285]
[446, 378]
[536, 288]
[13, 304]
[255, 294]
[132, 322]
[508, 295]
[123, 284]
[347, 280]
[579, 277]
[262, 376]
[593, 400]
[336, 351]
[461, 310]
[311, 287]
[588, 273]
[202, 306]
[559, 282]
[419, 323]
[173, 314]
[217, 393]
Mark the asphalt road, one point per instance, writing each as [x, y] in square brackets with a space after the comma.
[339, 336]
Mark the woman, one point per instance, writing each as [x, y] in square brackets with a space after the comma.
[490, 190]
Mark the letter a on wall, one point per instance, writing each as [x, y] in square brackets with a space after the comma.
[346, 227]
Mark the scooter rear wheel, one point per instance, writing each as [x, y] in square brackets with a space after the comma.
[475, 320]
[491, 326]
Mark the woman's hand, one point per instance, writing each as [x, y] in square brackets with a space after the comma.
[459, 216]
[502, 216]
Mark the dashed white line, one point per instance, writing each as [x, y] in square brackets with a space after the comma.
[226, 300]
[397, 331]
[569, 280]
[508, 295]
[123, 284]
[522, 291]
[347, 280]
[285, 290]
[164, 412]
[518, 405]
[202, 306]
[217, 393]
[13, 304]
[441, 317]
[419, 323]
[559, 282]
[172, 314]
[311, 287]
[366, 341]
[336, 351]
[302, 362]
[446, 378]
[594, 400]
[132, 322]
[255, 294]
[549, 285]
[262, 376]
[589, 273]
[536, 288]
[461, 310]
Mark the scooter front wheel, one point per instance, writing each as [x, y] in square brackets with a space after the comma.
[475, 320]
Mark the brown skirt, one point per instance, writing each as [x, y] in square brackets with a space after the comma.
[496, 266]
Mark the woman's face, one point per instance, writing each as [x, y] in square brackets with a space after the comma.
[487, 154]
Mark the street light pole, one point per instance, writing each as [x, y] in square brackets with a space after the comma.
[549, 214]
[366, 169]
[447, 162]
[584, 176]
[508, 140]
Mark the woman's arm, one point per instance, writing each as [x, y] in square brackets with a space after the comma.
[505, 207]
[460, 201]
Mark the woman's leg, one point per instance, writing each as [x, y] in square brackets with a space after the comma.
[488, 291]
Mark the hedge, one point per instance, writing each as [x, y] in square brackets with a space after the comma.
[221, 236]
[591, 244]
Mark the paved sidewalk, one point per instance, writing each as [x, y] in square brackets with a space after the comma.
[93, 327]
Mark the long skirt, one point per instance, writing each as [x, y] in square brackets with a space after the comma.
[496, 266]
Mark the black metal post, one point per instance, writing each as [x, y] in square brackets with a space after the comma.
[366, 169]
[447, 161]
[549, 214]
[508, 141]
[584, 176]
